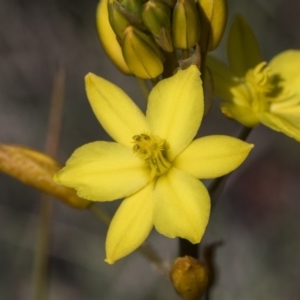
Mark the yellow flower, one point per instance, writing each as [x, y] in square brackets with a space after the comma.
[256, 92]
[154, 164]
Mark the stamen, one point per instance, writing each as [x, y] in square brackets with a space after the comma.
[267, 93]
[136, 137]
[260, 79]
[145, 137]
[151, 149]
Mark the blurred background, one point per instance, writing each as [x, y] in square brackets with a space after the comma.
[257, 217]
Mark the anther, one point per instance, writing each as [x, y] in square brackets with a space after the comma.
[136, 147]
[136, 138]
[145, 137]
[151, 149]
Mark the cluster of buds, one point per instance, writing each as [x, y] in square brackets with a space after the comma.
[138, 35]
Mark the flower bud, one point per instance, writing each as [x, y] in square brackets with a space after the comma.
[37, 169]
[156, 17]
[213, 17]
[189, 277]
[185, 24]
[141, 54]
[108, 38]
[117, 20]
[133, 10]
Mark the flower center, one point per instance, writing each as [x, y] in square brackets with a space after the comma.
[151, 149]
[264, 88]
[259, 78]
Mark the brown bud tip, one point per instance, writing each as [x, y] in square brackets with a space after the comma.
[36, 169]
[189, 277]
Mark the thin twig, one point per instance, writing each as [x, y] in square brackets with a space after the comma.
[44, 226]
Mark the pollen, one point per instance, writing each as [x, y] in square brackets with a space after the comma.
[151, 149]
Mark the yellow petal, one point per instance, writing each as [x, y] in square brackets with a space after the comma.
[116, 112]
[175, 109]
[242, 47]
[104, 171]
[290, 114]
[242, 114]
[223, 78]
[286, 66]
[212, 156]
[182, 206]
[130, 225]
[108, 38]
[281, 124]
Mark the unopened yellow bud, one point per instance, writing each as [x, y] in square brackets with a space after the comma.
[141, 54]
[213, 17]
[185, 24]
[108, 38]
[156, 17]
[37, 170]
[116, 18]
[189, 277]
